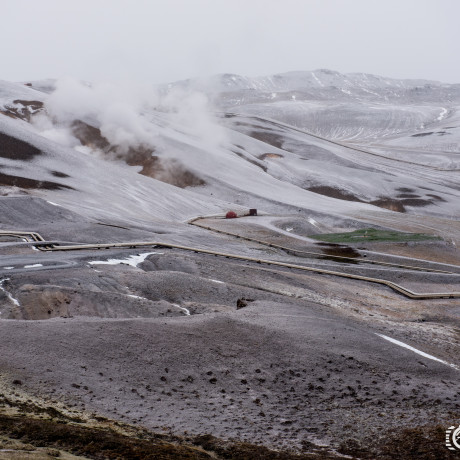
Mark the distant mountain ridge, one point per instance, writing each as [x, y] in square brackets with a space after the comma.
[327, 84]
[301, 80]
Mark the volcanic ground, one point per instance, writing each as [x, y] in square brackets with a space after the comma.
[278, 330]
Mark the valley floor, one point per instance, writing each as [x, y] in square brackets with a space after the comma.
[189, 345]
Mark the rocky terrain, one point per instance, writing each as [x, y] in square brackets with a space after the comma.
[177, 333]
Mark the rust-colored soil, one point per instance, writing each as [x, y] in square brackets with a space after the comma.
[334, 193]
[165, 170]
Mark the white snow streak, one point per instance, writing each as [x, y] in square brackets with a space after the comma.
[317, 79]
[216, 281]
[421, 353]
[312, 221]
[442, 115]
[15, 301]
[33, 266]
[54, 204]
[134, 261]
[185, 310]
[7, 268]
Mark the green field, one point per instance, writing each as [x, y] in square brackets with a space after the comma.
[372, 234]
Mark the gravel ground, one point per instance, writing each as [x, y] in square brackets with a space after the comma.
[194, 344]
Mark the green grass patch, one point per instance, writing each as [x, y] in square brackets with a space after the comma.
[372, 234]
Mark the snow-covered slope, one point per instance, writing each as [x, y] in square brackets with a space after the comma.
[348, 147]
[83, 182]
[353, 107]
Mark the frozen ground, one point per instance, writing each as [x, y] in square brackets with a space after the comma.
[194, 343]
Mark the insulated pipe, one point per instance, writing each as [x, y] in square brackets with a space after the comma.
[295, 252]
[48, 246]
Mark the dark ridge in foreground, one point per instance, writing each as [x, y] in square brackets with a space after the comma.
[108, 443]
[70, 435]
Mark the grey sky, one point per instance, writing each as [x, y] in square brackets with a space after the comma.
[166, 40]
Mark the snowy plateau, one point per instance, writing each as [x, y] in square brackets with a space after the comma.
[322, 322]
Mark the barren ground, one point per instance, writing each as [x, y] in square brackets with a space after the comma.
[298, 368]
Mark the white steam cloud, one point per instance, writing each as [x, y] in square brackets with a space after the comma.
[127, 115]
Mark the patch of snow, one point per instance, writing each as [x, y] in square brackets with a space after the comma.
[137, 297]
[7, 268]
[346, 91]
[15, 301]
[185, 310]
[293, 97]
[54, 204]
[289, 229]
[317, 79]
[216, 281]
[421, 353]
[370, 92]
[312, 221]
[134, 261]
[442, 115]
[83, 149]
[273, 95]
[33, 266]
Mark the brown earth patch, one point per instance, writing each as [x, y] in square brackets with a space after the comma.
[25, 112]
[250, 160]
[418, 202]
[339, 250]
[59, 174]
[15, 149]
[410, 199]
[165, 170]
[422, 134]
[269, 138]
[393, 204]
[270, 156]
[389, 203]
[407, 195]
[435, 197]
[27, 183]
[90, 136]
[334, 193]
[8, 113]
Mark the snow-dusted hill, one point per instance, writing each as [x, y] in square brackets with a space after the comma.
[322, 81]
[353, 107]
[312, 142]
[295, 333]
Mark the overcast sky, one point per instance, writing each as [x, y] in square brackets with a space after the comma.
[167, 40]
